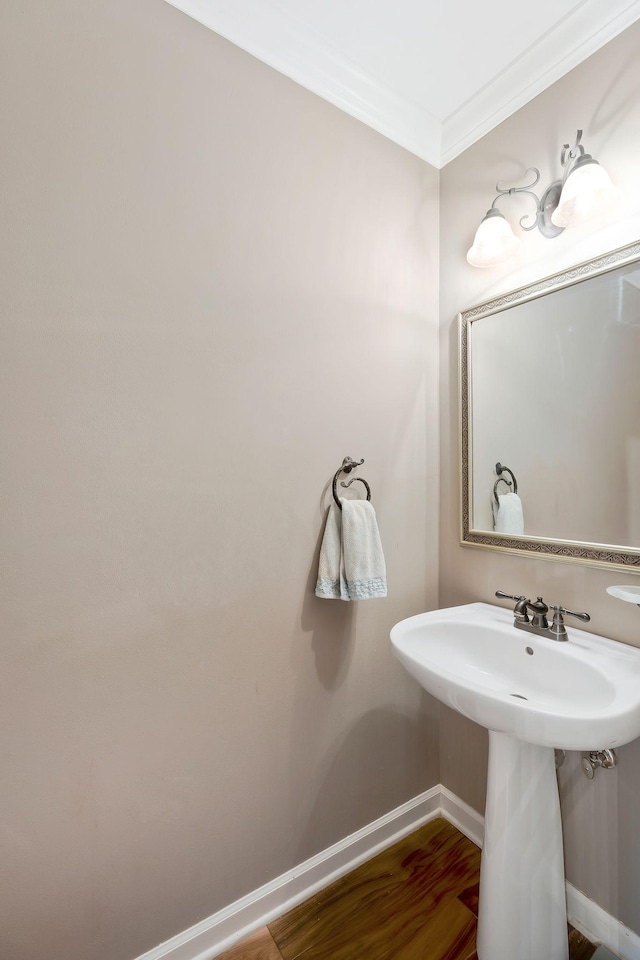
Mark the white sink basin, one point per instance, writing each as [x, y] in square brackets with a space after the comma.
[583, 694]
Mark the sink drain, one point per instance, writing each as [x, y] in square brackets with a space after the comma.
[519, 696]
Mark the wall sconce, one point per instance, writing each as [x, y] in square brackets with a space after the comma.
[584, 191]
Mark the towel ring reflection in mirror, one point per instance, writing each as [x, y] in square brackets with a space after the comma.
[346, 467]
[495, 488]
[500, 469]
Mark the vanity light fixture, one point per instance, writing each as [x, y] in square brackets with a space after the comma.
[584, 191]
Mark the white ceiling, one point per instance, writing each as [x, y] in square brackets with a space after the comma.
[432, 75]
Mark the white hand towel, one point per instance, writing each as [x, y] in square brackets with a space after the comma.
[331, 584]
[351, 563]
[509, 516]
[364, 566]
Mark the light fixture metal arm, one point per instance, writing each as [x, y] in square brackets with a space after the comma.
[526, 189]
[544, 205]
[569, 155]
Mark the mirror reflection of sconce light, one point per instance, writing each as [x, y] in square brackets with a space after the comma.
[584, 192]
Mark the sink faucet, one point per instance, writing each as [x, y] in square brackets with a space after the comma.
[557, 628]
[539, 610]
[520, 610]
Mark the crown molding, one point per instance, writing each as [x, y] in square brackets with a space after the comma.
[578, 35]
[272, 37]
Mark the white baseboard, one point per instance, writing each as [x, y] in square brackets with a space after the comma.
[216, 933]
[462, 816]
[210, 937]
[600, 927]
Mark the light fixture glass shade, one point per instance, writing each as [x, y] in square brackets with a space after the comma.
[494, 241]
[588, 192]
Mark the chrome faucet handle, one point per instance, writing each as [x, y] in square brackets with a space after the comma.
[520, 609]
[558, 628]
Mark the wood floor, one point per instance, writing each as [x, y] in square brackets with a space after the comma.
[418, 900]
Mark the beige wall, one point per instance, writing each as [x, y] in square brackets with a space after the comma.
[217, 286]
[602, 96]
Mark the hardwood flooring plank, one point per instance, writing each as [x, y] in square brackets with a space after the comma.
[447, 933]
[369, 889]
[579, 947]
[257, 946]
[386, 906]
[470, 898]
[418, 900]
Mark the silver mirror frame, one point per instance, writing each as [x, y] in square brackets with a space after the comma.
[595, 554]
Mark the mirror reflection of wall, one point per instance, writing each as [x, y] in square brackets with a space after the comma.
[555, 394]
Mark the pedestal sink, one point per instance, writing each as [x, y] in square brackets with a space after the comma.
[532, 693]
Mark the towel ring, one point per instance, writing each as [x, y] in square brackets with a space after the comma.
[500, 469]
[495, 487]
[346, 467]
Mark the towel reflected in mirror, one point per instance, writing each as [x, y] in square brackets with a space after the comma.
[508, 516]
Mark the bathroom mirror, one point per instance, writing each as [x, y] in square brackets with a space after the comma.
[550, 388]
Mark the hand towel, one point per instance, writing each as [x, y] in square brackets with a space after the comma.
[364, 566]
[331, 584]
[509, 516]
[351, 563]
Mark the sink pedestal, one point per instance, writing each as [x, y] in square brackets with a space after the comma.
[522, 911]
